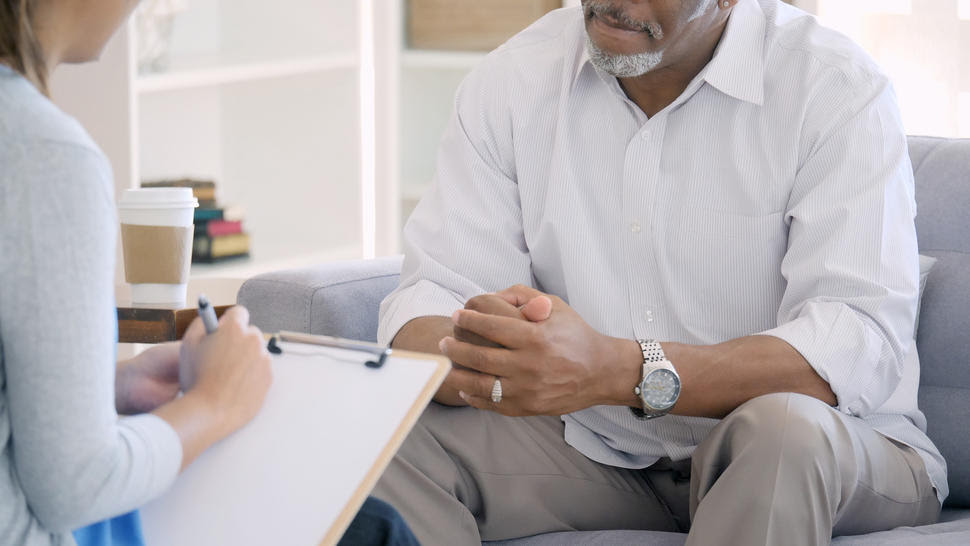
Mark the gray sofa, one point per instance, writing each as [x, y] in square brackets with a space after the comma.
[342, 299]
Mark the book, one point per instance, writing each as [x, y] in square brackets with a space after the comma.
[208, 249]
[233, 213]
[203, 190]
[205, 214]
[179, 183]
[215, 228]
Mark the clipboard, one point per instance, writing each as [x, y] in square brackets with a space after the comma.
[299, 472]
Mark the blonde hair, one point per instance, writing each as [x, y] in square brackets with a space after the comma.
[18, 44]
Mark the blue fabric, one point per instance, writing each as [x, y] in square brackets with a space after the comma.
[378, 524]
[123, 530]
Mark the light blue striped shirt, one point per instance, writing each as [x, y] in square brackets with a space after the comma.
[774, 196]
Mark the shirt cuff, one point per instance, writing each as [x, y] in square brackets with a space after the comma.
[422, 299]
[845, 351]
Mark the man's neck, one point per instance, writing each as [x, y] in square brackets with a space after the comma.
[657, 89]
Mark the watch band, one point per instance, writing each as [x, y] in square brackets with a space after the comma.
[652, 353]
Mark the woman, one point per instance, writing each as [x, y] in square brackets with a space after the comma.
[66, 459]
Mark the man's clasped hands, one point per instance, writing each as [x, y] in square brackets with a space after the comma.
[548, 359]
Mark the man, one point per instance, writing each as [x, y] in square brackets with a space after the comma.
[727, 178]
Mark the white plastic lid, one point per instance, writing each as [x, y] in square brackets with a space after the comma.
[158, 198]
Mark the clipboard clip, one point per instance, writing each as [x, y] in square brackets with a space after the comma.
[381, 353]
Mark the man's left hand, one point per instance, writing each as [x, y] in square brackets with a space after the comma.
[551, 367]
[148, 380]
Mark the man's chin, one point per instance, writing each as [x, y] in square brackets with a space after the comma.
[622, 65]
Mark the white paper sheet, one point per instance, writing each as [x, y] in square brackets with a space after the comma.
[287, 475]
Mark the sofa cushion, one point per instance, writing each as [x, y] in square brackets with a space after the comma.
[953, 531]
[598, 538]
[942, 171]
[950, 533]
[337, 299]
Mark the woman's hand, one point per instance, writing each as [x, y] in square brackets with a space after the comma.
[225, 377]
[228, 369]
[148, 380]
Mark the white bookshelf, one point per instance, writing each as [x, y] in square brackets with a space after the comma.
[262, 97]
[285, 105]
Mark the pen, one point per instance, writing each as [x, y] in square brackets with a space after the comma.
[208, 315]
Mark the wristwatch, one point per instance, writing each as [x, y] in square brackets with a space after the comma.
[659, 385]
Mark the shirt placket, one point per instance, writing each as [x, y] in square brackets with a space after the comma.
[641, 172]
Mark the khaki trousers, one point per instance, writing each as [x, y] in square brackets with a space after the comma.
[780, 469]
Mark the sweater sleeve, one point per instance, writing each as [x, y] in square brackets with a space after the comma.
[76, 460]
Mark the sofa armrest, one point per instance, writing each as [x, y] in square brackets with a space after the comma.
[336, 299]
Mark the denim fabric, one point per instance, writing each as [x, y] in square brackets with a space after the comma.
[378, 523]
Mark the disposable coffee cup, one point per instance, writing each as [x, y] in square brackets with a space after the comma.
[156, 235]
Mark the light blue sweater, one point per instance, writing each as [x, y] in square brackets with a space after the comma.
[66, 458]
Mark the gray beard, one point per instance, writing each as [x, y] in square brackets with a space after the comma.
[623, 66]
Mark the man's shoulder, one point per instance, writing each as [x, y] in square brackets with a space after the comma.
[798, 40]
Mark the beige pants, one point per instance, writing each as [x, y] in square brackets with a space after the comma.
[781, 469]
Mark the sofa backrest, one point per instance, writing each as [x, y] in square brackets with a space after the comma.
[942, 169]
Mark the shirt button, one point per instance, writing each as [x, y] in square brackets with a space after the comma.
[645, 135]
[635, 226]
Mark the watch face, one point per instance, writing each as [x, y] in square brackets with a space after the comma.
[660, 389]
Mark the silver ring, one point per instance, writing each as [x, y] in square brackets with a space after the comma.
[497, 391]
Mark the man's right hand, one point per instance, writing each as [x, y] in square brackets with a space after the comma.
[425, 333]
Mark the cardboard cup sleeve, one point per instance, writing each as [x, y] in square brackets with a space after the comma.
[157, 254]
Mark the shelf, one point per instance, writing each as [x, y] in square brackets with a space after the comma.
[245, 268]
[225, 74]
[427, 58]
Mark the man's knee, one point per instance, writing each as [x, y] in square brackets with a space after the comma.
[792, 426]
[422, 452]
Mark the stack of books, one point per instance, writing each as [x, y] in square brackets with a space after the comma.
[219, 233]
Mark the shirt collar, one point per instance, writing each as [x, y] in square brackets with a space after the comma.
[737, 68]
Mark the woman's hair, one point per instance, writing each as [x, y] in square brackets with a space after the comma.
[18, 43]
